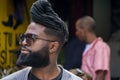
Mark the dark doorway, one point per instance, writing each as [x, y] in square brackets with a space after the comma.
[115, 15]
[71, 10]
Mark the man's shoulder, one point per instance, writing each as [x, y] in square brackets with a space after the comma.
[100, 43]
[17, 75]
[69, 76]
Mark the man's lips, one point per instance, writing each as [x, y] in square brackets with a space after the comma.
[25, 51]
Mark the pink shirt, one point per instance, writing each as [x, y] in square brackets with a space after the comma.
[97, 58]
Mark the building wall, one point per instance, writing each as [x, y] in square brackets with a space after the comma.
[8, 35]
[102, 13]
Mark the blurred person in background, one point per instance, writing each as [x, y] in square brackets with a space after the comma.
[73, 53]
[96, 56]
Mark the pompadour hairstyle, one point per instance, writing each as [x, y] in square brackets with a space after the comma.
[42, 13]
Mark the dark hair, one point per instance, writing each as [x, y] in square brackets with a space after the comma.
[42, 13]
[57, 35]
[87, 22]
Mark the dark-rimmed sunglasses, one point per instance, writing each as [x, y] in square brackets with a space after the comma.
[30, 38]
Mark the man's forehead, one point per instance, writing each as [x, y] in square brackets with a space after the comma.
[35, 28]
[34, 25]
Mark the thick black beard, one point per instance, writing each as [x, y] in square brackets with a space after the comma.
[36, 59]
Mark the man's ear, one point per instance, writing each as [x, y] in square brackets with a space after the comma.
[54, 46]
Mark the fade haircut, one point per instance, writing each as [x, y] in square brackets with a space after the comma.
[42, 13]
[88, 23]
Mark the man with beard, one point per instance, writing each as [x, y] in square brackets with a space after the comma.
[41, 44]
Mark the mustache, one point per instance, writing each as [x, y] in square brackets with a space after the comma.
[26, 48]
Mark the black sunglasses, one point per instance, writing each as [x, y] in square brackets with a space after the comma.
[30, 38]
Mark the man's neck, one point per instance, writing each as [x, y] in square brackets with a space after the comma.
[90, 38]
[47, 73]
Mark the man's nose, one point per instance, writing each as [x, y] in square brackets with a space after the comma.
[24, 42]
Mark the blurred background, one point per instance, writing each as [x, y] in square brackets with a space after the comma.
[15, 17]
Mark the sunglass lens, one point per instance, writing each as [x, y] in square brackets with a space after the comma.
[21, 38]
[29, 38]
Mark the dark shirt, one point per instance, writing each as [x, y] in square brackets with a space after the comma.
[73, 53]
[33, 77]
